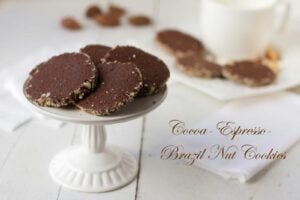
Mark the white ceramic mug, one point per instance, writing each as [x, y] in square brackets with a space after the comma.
[240, 29]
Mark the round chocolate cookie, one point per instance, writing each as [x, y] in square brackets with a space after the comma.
[154, 71]
[119, 83]
[62, 80]
[195, 65]
[249, 73]
[96, 52]
[178, 43]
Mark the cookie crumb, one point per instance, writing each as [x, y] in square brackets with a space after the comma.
[139, 20]
[116, 11]
[272, 54]
[93, 11]
[70, 23]
[107, 19]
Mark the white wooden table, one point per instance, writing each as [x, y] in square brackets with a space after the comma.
[27, 27]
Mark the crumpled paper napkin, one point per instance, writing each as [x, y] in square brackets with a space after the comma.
[276, 121]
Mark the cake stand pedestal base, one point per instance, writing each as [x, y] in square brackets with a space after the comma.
[91, 167]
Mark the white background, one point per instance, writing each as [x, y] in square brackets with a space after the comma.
[29, 26]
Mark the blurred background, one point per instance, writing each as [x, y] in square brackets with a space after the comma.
[29, 25]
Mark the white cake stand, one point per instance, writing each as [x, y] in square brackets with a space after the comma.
[93, 167]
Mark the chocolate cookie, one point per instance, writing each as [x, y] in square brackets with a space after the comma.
[62, 80]
[249, 73]
[178, 43]
[96, 52]
[119, 83]
[154, 71]
[195, 65]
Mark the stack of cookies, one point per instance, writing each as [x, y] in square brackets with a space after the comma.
[193, 59]
[99, 79]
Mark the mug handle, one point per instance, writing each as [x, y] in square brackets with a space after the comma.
[285, 16]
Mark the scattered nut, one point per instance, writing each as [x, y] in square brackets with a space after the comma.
[87, 84]
[273, 65]
[70, 23]
[270, 59]
[139, 20]
[272, 54]
[93, 11]
[107, 20]
[116, 10]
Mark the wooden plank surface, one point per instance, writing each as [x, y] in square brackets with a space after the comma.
[25, 173]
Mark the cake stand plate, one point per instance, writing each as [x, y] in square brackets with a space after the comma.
[93, 167]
